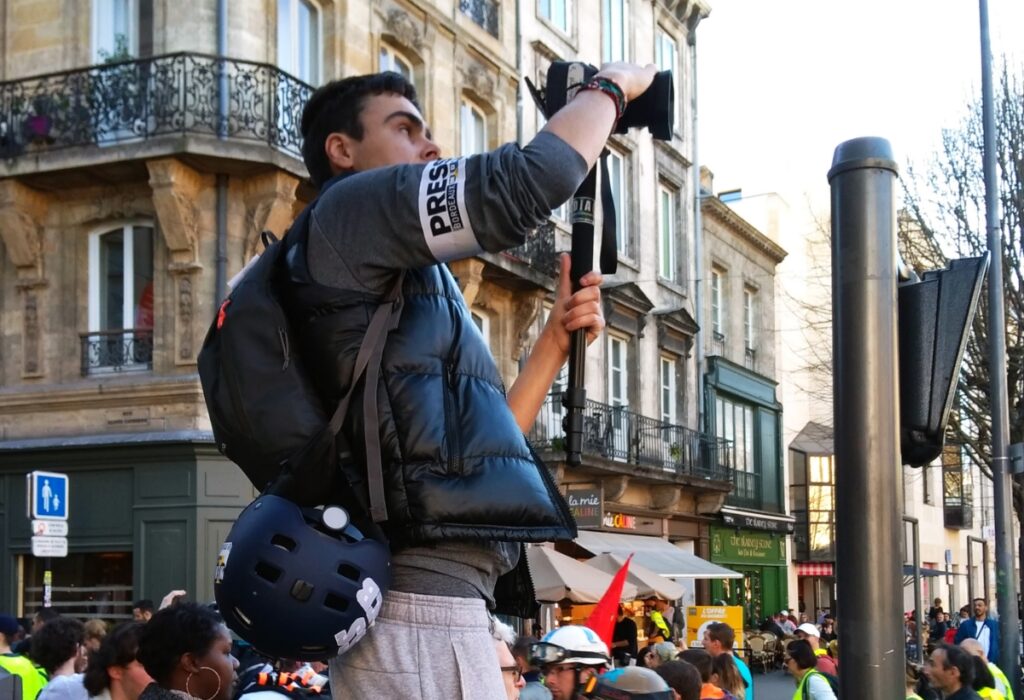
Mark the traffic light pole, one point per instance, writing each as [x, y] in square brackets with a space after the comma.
[869, 523]
[1002, 488]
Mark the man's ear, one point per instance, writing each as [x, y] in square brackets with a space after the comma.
[115, 672]
[339, 151]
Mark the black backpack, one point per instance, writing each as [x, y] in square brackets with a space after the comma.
[267, 417]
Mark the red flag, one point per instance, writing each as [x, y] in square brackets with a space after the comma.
[602, 619]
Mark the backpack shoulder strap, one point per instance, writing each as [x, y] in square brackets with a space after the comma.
[368, 360]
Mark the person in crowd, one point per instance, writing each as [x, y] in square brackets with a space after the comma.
[142, 610]
[658, 628]
[533, 688]
[828, 631]
[951, 627]
[113, 671]
[826, 664]
[984, 682]
[939, 626]
[983, 628]
[785, 623]
[624, 638]
[511, 673]
[771, 624]
[661, 652]
[186, 648]
[950, 670]
[388, 204]
[802, 665]
[58, 647]
[644, 656]
[720, 638]
[1002, 683]
[631, 683]
[682, 677]
[95, 633]
[32, 677]
[42, 616]
[702, 661]
[917, 684]
[569, 657]
[935, 610]
[726, 675]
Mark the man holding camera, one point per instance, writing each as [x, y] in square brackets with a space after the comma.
[461, 486]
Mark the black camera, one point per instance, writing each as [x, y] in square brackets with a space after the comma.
[653, 109]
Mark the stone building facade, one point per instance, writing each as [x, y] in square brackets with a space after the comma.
[138, 172]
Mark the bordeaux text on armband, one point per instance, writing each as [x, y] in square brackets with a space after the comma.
[443, 215]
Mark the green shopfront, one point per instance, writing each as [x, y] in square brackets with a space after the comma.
[761, 557]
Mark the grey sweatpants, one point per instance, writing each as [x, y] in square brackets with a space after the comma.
[422, 647]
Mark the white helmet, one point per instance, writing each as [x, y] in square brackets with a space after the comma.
[571, 644]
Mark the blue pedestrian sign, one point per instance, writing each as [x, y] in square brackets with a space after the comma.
[48, 496]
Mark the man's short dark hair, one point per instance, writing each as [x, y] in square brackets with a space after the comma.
[521, 649]
[701, 660]
[801, 652]
[983, 600]
[44, 615]
[961, 660]
[145, 605]
[683, 677]
[56, 642]
[722, 633]
[336, 107]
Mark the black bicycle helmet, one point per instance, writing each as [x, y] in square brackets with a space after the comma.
[299, 583]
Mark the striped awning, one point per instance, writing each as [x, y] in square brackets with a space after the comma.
[814, 568]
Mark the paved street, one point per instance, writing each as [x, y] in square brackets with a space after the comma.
[777, 685]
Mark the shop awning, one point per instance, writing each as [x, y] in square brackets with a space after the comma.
[557, 577]
[648, 584]
[658, 555]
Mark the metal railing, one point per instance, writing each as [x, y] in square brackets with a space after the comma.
[125, 350]
[746, 490]
[539, 250]
[616, 433]
[139, 99]
[483, 12]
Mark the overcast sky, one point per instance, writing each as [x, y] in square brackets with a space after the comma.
[782, 83]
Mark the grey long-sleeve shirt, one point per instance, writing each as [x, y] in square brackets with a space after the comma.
[410, 216]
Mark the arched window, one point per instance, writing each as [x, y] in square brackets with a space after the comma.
[473, 129]
[393, 60]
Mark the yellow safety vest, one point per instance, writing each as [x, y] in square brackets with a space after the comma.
[33, 678]
[991, 693]
[659, 621]
[799, 694]
[1001, 678]
[914, 696]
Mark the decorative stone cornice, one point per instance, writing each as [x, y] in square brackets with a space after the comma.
[269, 199]
[176, 189]
[470, 274]
[402, 26]
[715, 208]
[21, 226]
[710, 502]
[626, 307]
[479, 80]
[614, 487]
[665, 497]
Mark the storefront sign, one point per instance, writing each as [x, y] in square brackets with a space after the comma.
[698, 617]
[585, 505]
[753, 522]
[733, 546]
[620, 521]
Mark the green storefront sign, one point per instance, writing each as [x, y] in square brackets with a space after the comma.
[731, 546]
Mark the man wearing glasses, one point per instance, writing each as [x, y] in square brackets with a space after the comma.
[571, 657]
[504, 639]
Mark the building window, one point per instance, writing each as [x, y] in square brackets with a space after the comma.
[483, 324]
[735, 422]
[667, 233]
[298, 39]
[556, 12]
[615, 45]
[618, 179]
[120, 333]
[483, 12]
[749, 318]
[391, 60]
[821, 507]
[115, 29]
[618, 372]
[667, 58]
[473, 124]
[668, 390]
[717, 303]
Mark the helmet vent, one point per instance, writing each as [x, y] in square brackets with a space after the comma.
[284, 542]
[268, 572]
[336, 602]
[350, 572]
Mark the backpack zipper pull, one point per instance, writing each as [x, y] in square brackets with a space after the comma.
[283, 337]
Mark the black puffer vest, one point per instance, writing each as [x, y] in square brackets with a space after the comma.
[456, 464]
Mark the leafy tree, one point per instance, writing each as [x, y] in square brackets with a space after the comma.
[945, 218]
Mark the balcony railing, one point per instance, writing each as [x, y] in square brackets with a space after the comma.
[747, 489]
[144, 98]
[750, 359]
[539, 251]
[717, 344]
[124, 350]
[483, 12]
[616, 433]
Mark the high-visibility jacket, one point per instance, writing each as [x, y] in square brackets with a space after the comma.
[1002, 682]
[659, 621]
[33, 678]
[991, 693]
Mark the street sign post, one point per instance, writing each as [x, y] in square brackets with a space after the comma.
[47, 500]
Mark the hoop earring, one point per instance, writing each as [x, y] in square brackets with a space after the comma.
[189, 678]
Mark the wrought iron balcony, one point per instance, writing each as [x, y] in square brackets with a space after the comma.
[125, 350]
[144, 98]
[539, 251]
[747, 490]
[616, 433]
[483, 12]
